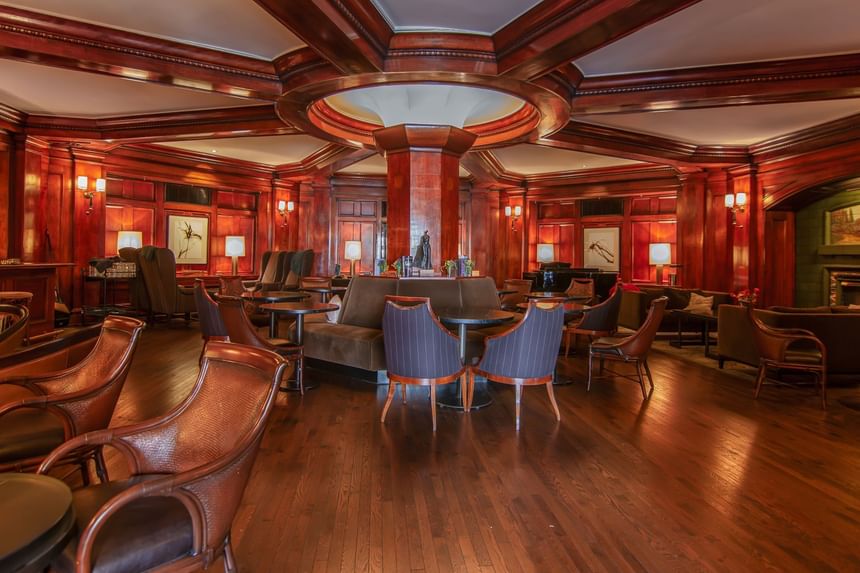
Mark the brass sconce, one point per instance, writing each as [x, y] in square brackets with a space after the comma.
[284, 208]
[515, 213]
[83, 185]
[736, 203]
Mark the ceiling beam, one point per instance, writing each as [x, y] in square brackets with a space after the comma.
[72, 45]
[553, 34]
[488, 170]
[798, 80]
[206, 124]
[350, 34]
[588, 138]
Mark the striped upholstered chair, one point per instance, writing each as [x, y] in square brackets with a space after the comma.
[526, 354]
[419, 350]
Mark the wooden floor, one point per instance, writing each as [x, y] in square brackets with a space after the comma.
[700, 477]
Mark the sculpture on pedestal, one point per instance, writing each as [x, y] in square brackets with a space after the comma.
[422, 253]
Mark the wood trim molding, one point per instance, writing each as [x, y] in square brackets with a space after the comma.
[50, 40]
[805, 79]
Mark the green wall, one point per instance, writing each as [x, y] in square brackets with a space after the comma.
[811, 284]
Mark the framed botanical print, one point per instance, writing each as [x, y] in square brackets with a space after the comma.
[188, 238]
[601, 248]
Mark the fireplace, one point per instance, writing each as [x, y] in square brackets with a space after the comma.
[844, 286]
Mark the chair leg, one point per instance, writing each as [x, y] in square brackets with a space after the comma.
[471, 388]
[518, 399]
[301, 374]
[762, 374]
[101, 467]
[641, 380]
[392, 386]
[823, 380]
[566, 343]
[403, 393]
[433, 403]
[590, 369]
[229, 558]
[464, 391]
[648, 372]
[551, 394]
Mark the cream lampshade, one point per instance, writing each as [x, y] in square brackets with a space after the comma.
[659, 254]
[234, 246]
[132, 239]
[352, 253]
[545, 252]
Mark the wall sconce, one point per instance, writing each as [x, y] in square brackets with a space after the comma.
[352, 253]
[516, 211]
[284, 208]
[736, 203]
[83, 185]
[659, 255]
[234, 246]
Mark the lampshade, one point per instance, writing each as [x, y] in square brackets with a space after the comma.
[507, 210]
[352, 251]
[730, 200]
[82, 182]
[282, 205]
[518, 210]
[659, 254]
[234, 246]
[291, 206]
[133, 239]
[545, 252]
[741, 199]
[101, 185]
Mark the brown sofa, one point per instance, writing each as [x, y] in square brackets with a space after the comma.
[635, 305]
[837, 327]
[356, 340]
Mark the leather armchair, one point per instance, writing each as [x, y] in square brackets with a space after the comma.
[211, 325]
[188, 470]
[788, 349]
[273, 271]
[158, 267]
[39, 412]
[526, 354]
[241, 331]
[633, 349]
[522, 286]
[597, 321]
[13, 327]
[581, 287]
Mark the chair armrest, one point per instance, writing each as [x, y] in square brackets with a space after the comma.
[185, 290]
[88, 441]
[251, 285]
[790, 331]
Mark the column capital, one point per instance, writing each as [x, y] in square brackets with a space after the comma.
[405, 137]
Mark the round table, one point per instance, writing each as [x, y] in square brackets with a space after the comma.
[298, 310]
[449, 396]
[261, 297]
[38, 519]
[505, 291]
[554, 296]
[326, 292]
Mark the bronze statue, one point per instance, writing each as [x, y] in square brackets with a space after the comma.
[422, 253]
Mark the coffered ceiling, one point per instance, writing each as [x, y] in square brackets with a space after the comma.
[526, 159]
[480, 17]
[275, 150]
[714, 32]
[376, 165]
[238, 26]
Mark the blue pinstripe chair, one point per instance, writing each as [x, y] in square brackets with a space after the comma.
[419, 350]
[526, 354]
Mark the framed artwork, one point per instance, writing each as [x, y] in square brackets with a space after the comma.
[843, 226]
[188, 238]
[601, 248]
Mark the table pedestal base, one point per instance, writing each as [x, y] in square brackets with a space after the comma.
[449, 396]
[292, 385]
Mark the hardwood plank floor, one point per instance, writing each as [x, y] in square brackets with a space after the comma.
[700, 477]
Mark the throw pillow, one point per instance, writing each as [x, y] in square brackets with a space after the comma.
[678, 299]
[700, 304]
[332, 316]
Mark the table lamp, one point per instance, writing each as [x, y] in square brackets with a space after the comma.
[545, 252]
[659, 254]
[234, 246]
[132, 239]
[352, 253]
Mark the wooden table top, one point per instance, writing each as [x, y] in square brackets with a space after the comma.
[299, 307]
[474, 316]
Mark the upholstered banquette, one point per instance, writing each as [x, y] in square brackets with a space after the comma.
[356, 338]
[636, 301]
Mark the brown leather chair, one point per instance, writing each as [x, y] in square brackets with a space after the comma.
[598, 321]
[522, 286]
[792, 349]
[13, 327]
[419, 350]
[526, 354]
[633, 348]
[40, 412]
[315, 282]
[211, 325]
[581, 288]
[158, 268]
[188, 470]
[273, 271]
[241, 331]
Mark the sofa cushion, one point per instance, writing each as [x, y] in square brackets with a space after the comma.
[678, 299]
[479, 293]
[364, 301]
[356, 346]
[443, 293]
[700, 304]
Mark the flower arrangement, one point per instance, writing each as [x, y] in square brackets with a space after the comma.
[451, 267]
[747, 296]
[396, 265]
[470, 264]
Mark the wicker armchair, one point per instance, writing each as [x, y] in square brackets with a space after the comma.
[188, 472]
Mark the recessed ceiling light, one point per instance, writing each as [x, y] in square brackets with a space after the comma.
[214, 151]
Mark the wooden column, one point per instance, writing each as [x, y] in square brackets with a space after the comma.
[691, 229]
[423, 187]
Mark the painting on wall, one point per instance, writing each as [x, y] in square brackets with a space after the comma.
[843, 226]
[188, 238]
[601, 248]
